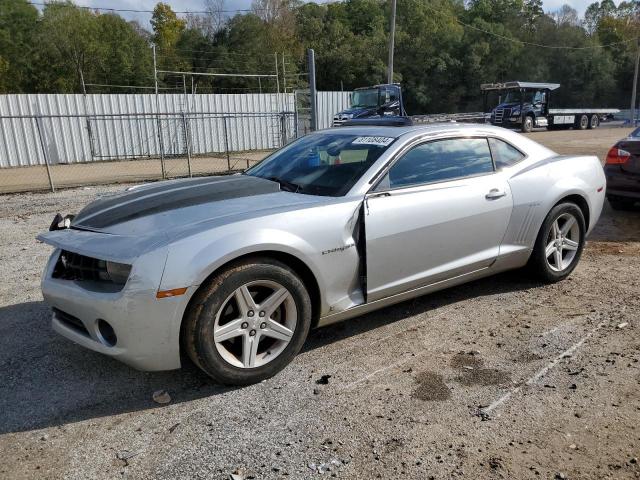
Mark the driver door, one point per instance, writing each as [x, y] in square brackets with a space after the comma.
[441, 211]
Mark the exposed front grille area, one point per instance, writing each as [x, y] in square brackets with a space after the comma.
[337, 121]
[73, 266]
[71, 321]
[501, 113]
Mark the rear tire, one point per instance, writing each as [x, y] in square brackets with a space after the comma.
[594, 122]
[583, 123]
[559, 243]
[248, 322]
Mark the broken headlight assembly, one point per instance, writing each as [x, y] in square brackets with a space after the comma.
[118, 273]
[80, 268]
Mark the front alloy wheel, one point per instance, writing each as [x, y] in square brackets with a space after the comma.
[248, 321]
[255, 324]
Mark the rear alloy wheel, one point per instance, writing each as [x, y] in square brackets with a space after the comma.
[594, 122]
[583, 124]
[563, 240]
[248, 322]
[559, 243]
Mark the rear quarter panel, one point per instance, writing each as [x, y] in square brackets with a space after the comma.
[538, 187]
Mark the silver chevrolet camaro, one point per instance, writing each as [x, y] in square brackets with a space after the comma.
[233, 271]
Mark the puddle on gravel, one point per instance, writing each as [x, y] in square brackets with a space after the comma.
[466, 359]
[471, 364]
[431, 387]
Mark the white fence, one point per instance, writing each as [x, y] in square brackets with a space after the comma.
[78, 129]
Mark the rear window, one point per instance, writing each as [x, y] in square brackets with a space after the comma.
[635, 133]
[504, 155]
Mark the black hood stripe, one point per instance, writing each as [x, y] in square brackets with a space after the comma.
[170, 196]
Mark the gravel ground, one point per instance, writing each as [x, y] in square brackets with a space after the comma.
[555, 366]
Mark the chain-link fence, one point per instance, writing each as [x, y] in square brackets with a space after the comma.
[75, 149]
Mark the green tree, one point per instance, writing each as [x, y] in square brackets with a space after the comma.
[18, 22]
[67, 39]
[167, 29]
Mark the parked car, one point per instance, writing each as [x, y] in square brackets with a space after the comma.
[622, 169]
[234, 271]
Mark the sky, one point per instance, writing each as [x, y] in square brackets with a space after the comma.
[194, 5]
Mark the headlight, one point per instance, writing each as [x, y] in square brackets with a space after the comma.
[118, 272]
[515, 111]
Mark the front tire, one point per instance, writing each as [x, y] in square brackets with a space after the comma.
[559, 243]
[527, 124]
[248, 322]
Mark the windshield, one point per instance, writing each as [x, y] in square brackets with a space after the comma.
[365, 98]
[635, 133]
[326, 164]
[513, 96]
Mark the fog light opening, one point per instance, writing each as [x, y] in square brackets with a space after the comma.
[107, 334]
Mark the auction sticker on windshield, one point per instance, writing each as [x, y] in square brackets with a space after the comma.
[383, 141]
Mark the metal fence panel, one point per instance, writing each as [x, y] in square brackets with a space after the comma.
[330, 103]
[112, 127]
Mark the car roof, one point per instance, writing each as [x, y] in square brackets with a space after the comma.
[395, 132]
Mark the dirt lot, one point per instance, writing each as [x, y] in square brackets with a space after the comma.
[500, 378]
[26, 179]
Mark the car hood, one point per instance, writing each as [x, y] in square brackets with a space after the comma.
[176, 206]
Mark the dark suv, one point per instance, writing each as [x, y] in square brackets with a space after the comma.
[622, 169]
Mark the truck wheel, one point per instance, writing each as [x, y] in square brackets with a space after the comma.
[594, 122]
[527, 124]
[583, 124]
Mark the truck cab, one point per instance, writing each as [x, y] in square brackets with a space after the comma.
[376, 101]
[521, 105]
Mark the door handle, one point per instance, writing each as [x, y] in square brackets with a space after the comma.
[495, 193]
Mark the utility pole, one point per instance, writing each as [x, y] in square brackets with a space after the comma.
[158, 122]
[635, 86]
[392, 34]
[278, 101]
[312, 89]
[86, 110]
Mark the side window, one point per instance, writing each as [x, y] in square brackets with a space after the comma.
[441, 160]
[504, 154]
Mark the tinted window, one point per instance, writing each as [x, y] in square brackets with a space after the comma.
[504, 154]
[441, 160]
[389, 95]
[365, 98]
[322, 163]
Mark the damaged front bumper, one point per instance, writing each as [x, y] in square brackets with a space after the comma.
[131, 325]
